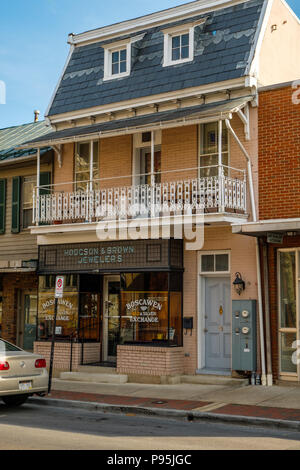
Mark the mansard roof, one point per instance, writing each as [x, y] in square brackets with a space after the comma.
[223, 49]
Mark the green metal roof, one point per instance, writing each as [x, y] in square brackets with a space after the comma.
[12, 137]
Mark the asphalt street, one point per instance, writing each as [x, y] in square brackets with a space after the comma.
[34, 427]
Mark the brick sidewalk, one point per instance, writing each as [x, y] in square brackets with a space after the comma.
[129, 401]
[288, 414]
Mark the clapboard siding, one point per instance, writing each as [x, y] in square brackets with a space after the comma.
[23, 245]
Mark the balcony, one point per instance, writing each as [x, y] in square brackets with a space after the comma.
[103, 200]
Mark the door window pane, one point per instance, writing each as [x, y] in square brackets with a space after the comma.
[287, 290]
[113, 323]
[222, 263]
[209, 149]
[207, 263]
[82, 165]
[287, 351]
[215, 263]
[30, 311]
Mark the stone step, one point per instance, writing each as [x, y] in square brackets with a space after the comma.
[97, 369]
[94, 377]
[209, 379]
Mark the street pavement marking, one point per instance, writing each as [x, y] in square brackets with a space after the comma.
[212, 406]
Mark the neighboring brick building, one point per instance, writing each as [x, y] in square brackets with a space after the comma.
[279, 214]
[279, 153]
[18, 247]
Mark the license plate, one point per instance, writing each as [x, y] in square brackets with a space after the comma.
[25, 385]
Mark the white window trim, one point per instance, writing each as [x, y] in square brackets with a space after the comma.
[296, 330]
[108, 50]
[177, 31]
[214, 273]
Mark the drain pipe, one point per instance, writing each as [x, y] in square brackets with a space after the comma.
[261, 319]
[258, 265]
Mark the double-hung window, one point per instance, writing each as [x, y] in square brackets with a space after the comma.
[180, 47]
[117, 61]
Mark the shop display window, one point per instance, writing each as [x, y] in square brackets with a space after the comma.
[67, 312]
[151, 308]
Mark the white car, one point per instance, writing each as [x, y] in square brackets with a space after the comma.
[22, 374]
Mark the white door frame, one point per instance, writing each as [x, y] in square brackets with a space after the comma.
[201, 302]
[106, 280]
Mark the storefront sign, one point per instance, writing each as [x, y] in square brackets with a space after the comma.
[276, 238]
[144, 310]
[108, 256]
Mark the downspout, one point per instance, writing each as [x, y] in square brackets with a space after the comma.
[258, 264]
[267, 314]
[261, 319]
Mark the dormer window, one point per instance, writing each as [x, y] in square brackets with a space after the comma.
[178, 46]
[179, 43]
[117, 60]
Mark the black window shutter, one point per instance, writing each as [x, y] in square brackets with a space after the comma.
[2, 205]
[16, 197]
[45, 180]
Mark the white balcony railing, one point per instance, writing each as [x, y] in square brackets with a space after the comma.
[208, 194]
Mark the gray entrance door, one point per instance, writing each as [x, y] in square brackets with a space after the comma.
[217, 324]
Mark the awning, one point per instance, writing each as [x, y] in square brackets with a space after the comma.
[264, 227]
[182, 116]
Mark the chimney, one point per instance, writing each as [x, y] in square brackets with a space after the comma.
[36, 115]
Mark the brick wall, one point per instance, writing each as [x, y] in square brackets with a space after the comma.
[140, 360]
[116, 160]
[279, 157]
[65, 174]
[62, 354]
[12, 284]
[179, 150]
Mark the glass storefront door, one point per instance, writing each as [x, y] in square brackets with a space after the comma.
[30, 312]
[111, 308]
[288, 300]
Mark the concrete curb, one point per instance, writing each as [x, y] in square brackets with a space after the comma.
[169, 413]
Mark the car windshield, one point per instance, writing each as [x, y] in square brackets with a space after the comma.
[7, 347]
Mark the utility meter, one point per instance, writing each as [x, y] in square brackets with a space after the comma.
[244, 335]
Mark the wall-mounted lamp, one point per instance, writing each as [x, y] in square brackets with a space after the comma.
[238, 283]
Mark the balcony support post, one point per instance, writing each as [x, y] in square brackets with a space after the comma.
[91, 164]
[152, 174]
[220, 168]
[253, 207]
[38, 172]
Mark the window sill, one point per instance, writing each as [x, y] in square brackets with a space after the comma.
[115, 77]
[178, 62]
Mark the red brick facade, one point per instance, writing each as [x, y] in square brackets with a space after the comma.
[279, 155]
[279, 184]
